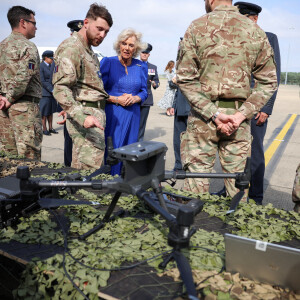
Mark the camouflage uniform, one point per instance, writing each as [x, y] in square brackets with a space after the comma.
[20, 125]
[78, 89]
[296, 190]
[218, 54]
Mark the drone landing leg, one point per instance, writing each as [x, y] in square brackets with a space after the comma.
[106, 218]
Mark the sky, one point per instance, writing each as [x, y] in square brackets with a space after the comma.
[162, 23]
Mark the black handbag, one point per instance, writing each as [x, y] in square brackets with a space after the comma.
[172, 85]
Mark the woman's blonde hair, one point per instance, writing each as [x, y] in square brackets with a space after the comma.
[169, 66]
[126, 34]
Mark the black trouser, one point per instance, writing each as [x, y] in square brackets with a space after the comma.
[143, 120]
[67, 148]
[180, 123]
[256, 190]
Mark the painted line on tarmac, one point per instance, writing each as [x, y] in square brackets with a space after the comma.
[275, 132]
[279, 139]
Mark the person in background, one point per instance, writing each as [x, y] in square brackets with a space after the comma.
[48, 104]
[166, 102]
[80, 91]
[260, 120]
[75, 26]
[218, 54]
[20, 87]
[153, 81]
[125, 80]
[181, 110]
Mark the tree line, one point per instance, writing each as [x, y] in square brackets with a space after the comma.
[292, 78]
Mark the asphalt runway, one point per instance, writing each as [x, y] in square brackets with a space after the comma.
[282, 144]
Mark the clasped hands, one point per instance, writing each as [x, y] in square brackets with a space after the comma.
[228, 124]
[126, 99]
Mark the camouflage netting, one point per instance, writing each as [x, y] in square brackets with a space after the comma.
[100, 265]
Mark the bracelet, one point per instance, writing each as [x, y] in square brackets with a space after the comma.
[116, 99]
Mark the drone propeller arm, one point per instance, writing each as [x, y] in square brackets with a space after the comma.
[96, 184]
[183, 175]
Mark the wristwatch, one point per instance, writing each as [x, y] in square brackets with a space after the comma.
[215, 116]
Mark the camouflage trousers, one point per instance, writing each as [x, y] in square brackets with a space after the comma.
[88, 143]
[21, 130]
[296, 187]
[201, 142]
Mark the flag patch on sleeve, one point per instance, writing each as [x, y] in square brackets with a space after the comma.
[55, 69]
[31, 66]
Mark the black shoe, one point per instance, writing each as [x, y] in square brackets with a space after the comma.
[177, 169]
[257, 201]
[297, 208]
[53, 131]
[46, 132]
[220, 193]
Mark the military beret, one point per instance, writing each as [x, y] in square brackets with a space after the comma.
[247, 8]
[48, 53]
[75, 25]
[148, 49]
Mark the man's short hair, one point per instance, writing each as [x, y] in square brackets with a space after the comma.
[99, 11]
[16, 13]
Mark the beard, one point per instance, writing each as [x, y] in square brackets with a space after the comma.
[92, 41]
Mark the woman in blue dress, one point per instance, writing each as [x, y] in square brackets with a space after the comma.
[125, 80]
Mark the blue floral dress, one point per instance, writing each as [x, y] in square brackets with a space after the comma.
[167, 100]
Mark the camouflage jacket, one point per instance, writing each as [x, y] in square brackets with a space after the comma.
[219, 52]
[19, 68]
[76, 77]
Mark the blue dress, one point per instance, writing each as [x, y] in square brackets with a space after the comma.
[122, 123]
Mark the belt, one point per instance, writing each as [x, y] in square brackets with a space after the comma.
[29, 99]
[229, 103]
[91, 104]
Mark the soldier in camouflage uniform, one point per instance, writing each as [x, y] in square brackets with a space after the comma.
[296, 191]
[218, 54]
[20, 87]
[79, 89]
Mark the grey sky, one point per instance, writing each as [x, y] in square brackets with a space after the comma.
[162, 22]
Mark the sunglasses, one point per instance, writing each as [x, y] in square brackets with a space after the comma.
[32, 22]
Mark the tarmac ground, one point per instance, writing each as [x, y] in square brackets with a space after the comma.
[282, 140]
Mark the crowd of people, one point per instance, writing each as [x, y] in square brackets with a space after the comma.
[217, 57]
